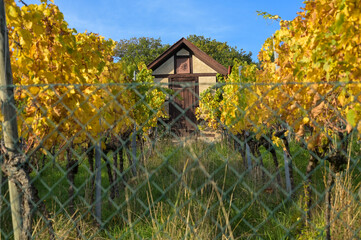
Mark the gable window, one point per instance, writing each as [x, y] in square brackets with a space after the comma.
[183, 65]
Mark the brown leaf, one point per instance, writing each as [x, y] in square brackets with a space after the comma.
[318, 109]
[348, 128]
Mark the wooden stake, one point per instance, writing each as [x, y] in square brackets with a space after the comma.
[275, 54]
[10, 130]
[287, 173]
[249, 159]
[98, 184]
[134, 151]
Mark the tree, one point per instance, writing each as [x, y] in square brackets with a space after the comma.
[71, 91]
[220, 51]
[142, 49]
[320, 46]
[311, 86]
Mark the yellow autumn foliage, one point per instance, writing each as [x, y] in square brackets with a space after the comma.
[68, 87]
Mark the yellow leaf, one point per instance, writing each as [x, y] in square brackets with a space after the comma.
[88, 91]
[47, 12]
[12, 11]
[305, 120]
[258, 92]
[38, 30]
[26, 37]
[28, 25]
[34, 90]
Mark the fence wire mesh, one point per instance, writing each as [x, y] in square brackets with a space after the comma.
[152, 161]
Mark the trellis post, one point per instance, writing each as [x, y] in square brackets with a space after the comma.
[9, 123]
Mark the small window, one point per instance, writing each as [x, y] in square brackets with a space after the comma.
[183, 65]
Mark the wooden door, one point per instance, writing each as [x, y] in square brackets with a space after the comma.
[183, 103]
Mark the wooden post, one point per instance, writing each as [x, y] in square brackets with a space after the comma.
[275, 54]
[10, 131]
[98, 178]
[249, 159]
[287, 173]
[134, 141]
[1, 193]
[134, 151]
[98, 183]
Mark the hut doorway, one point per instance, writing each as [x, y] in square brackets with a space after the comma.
[183, 103]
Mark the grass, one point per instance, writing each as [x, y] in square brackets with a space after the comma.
[197, 190]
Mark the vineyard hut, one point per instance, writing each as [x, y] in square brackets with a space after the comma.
[188, 71]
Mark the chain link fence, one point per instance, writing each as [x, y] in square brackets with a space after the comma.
[139, 161]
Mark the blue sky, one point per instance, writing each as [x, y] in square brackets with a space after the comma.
[231, 21]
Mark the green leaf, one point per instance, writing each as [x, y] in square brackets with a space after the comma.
[340, 19]
[351, 117]
[101, 66]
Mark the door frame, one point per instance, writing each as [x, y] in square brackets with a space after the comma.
[178, 78]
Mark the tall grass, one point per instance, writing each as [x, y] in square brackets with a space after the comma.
[198, 190]
[346, 206]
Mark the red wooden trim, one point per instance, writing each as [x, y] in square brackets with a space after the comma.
[230, 69]
[191, 62]
[193, 50]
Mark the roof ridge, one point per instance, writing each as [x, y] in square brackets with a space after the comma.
[195, 50]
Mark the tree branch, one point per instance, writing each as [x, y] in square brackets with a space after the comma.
[23, 2]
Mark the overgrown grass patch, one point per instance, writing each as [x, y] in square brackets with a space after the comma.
[195, 190]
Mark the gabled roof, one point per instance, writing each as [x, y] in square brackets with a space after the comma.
[184, 43]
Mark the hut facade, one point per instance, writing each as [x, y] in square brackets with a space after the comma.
[188, 71]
